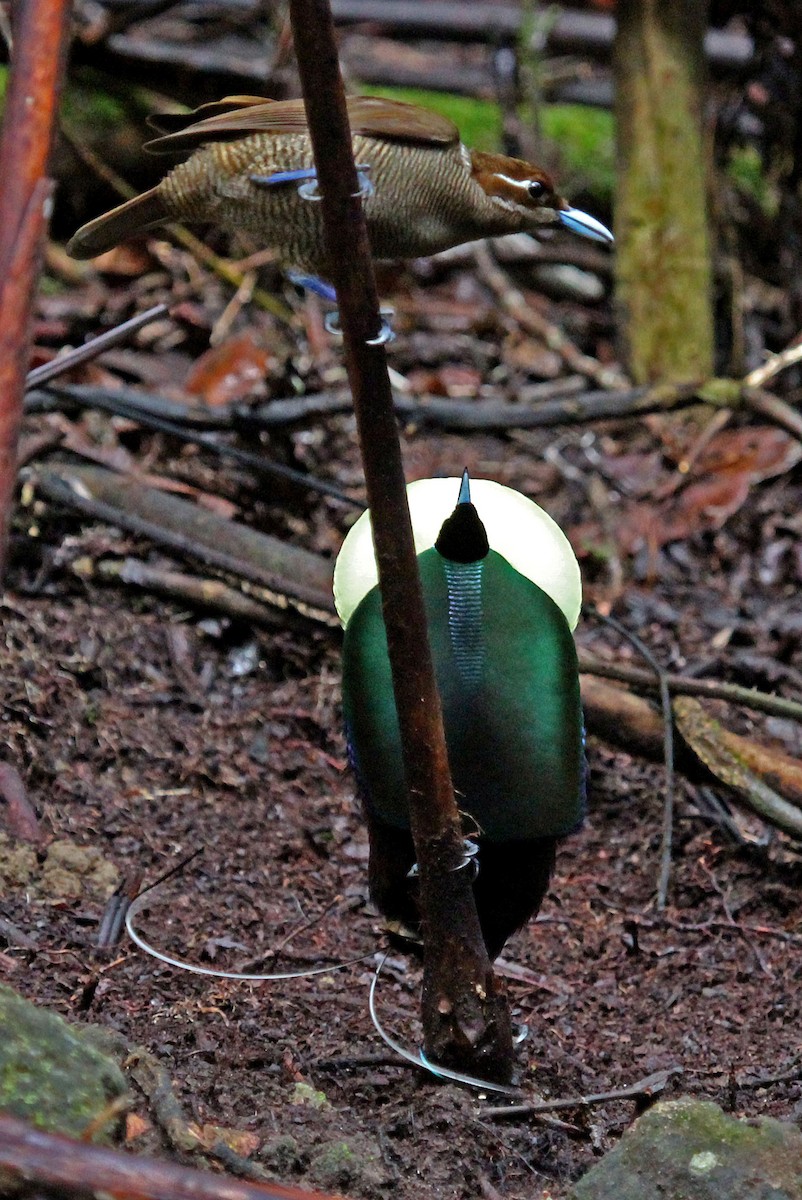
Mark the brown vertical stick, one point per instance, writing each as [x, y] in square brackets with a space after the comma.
[465, 1018]
[37, 70]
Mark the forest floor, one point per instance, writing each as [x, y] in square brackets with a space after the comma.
[145, 730]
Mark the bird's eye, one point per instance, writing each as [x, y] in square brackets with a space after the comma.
[536, 189]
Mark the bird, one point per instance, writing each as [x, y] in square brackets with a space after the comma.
[502, 594]
[251, 169]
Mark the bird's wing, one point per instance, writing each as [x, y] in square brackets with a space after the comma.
[238, 116]
[175, 122]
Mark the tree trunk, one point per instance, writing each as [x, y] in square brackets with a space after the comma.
[663, 261]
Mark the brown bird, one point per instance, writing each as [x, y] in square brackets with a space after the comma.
[252, 169]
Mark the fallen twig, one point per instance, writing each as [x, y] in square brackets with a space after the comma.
[90, 350]
[514, 302]
[773, 365]
[287, 575]
[761, 961]
[210, 594]
[771, 406]
[769, 782]
[721, 752]
[668, 751]
[683, 685]
[426, 410]
[257, 462]
[644, 1089]
[759, 1081]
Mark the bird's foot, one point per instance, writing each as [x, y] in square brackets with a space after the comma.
[319, 287]
[469, 860]
[306, 178]
[386, 333]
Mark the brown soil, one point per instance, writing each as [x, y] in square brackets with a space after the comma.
[145, 731]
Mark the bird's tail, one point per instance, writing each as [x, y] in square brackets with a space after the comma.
[135, 216]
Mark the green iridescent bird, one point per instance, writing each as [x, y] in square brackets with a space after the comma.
[502, 593]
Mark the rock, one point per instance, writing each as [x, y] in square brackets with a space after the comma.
[302, 1093]
[354, 1166]
[283, 1155]
[52, 1073]
[690, 1149]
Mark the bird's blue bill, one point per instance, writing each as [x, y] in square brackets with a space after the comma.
[585, 225]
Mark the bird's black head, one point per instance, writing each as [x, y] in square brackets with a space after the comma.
[462, 537]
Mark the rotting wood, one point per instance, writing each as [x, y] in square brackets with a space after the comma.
[683, 685]
[239, 66]
[744, 768]
[288, 574]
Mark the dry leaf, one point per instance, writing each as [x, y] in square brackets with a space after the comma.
[239, 1140]
[756, 451]
[232, 371]
[135, 1126]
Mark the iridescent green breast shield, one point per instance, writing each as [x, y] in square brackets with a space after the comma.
[507, 672]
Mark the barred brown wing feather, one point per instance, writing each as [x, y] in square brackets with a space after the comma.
[371, 116]
[173, 122]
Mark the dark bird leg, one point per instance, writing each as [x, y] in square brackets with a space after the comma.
[511, 881]
[509, 888]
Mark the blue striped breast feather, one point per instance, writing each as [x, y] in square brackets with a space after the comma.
[465, 626]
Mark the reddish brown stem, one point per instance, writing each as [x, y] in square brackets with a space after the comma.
[29, 122]
[19, 273]
[47, 1162]
[466, 1022]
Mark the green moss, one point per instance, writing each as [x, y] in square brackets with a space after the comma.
[586, 140]
[688, 1149]
[745, 168]
[304, 1093]
[479, 121]
[335, 1165]
[583, 137]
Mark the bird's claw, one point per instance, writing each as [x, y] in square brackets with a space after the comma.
[470, 859]
[331, 321]
[386, 334]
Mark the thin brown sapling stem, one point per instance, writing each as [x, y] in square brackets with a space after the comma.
[465, 1015]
